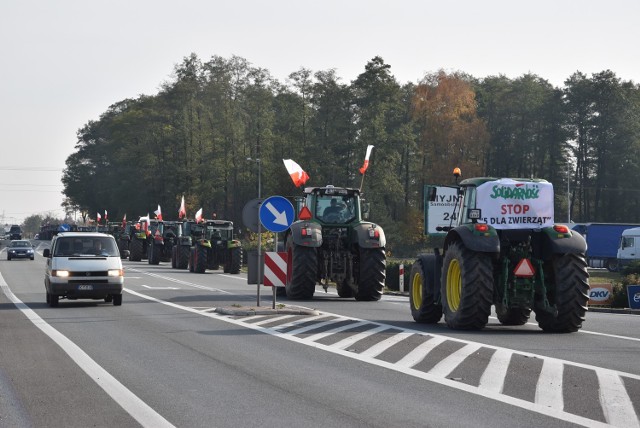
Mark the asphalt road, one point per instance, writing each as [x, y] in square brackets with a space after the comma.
[169, 356]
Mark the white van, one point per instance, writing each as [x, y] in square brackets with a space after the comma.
[83, 265]
[629, 249]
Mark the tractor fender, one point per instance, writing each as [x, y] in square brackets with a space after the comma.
[570, 243]
[312, 239]
[365, 238]
[484, 243]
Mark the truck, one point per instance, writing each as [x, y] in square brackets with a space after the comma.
[331, 241]
[502, 248]
[629, 247]
[603, 240]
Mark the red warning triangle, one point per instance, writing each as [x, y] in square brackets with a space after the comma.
[524, 269]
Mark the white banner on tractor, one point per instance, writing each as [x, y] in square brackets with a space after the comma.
[510, 204]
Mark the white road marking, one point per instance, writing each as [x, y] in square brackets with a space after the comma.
[447, 365]
[616, 404]
[549, 387]
[527, 405]
[420, 352]
[494, 375]
[159, 288]
[130, 402]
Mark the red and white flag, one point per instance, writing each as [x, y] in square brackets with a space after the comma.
[106, 216]
[365, 165]
[182, 212]
[158, 213]
[98, 217]
[124, 220]
[298, 175]
[199, 216]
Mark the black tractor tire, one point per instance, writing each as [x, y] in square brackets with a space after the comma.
[568, 296]
[466, 288]
[302, 271]
[154, 254]
[136, 248]
[236, 260]
[373, 264]
[201, 259]
[174, 257]
[183, 256]
[344, 289]
[512, 316]
[192, 259]
[422, 291]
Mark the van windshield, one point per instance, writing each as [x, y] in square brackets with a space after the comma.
[86, 247]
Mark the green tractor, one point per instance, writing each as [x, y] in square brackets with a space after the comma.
[161, 245]
[213, 245]
[502, 248]
[330, 241]
[141, 234]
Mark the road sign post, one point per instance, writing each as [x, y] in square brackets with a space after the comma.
[276, 214]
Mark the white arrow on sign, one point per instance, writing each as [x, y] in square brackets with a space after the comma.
[281, 217]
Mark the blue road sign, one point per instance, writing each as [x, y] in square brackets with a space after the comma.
[276, 213]
[633, 292]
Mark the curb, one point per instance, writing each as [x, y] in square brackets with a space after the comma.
[251, 310]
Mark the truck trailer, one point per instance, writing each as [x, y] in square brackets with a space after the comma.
[603, 240]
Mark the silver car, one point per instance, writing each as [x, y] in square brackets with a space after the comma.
[20, 249]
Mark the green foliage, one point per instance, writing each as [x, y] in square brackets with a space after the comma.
[392, 281]
[194, 137]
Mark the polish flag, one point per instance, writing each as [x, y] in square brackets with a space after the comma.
[298, 175]
[199, 216]
[106, 216]
[182, 212]
[158, 213]
[124, 220]
[365, 165]
[99, 217]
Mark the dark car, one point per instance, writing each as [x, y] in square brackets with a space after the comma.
[20, 249]
[15, 232]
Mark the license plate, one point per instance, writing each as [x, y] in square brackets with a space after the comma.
[85, 287]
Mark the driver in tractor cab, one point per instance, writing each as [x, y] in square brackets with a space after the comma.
[334, 211]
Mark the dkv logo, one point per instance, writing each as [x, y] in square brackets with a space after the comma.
[636, 297]
[599, 294]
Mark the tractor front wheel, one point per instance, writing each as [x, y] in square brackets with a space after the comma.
[512, 316]
[422, 296]
[466, 288]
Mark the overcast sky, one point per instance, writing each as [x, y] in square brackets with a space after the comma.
[64, 62]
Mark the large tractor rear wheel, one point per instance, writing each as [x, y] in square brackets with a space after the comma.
[154, 254]
[201, 259]
[373, 262]
[183, 256]
[422, 296]
[236, 260]
[136, 248]
[302, 271]
[512, 316]
[466, 288]
[174, 257]
[567, 294]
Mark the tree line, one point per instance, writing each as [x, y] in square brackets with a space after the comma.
[218, 128]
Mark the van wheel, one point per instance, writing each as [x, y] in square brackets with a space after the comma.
[117, 299]
[108, 298]
[53, 300]
[48, 298]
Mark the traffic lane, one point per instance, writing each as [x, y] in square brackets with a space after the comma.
[583, 347]
[194, 370]
[41, 386]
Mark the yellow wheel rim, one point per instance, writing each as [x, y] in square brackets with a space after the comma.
[416, 291]
[454, 285]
